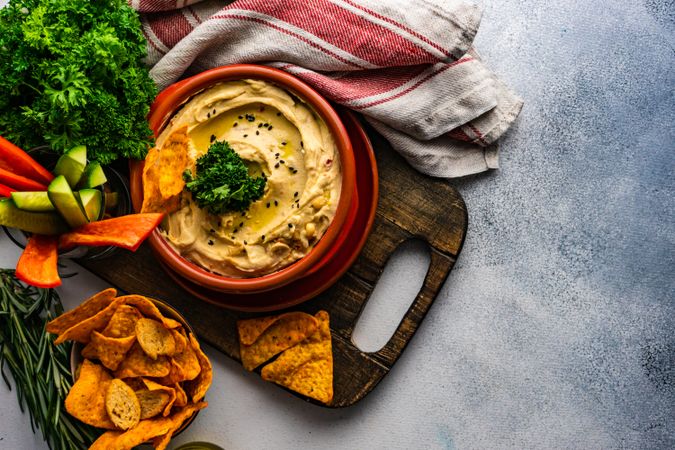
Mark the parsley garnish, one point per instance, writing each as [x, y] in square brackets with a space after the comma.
[72, 73]
[222, 182]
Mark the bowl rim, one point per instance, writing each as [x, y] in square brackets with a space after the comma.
[173, 97]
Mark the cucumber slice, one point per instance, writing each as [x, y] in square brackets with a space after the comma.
[32, 222]
[33, 201]
[71, 164]
[92, 202]
[93, 176]
[65, 202]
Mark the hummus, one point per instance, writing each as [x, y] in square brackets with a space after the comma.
[278, 135]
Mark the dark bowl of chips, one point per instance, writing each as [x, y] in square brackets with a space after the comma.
[116, 339]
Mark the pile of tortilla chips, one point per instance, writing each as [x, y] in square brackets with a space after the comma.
[306, 364]
[143, 373]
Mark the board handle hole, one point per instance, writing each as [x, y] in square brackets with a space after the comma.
[394, 292]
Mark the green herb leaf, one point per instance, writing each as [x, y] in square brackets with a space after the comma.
[71, 73]
[222, 182]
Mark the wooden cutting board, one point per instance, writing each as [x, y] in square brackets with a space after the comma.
[411, 206]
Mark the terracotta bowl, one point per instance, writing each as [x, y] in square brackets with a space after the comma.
[167, 310]
[170, 100]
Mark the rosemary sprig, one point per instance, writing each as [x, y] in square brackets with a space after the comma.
[41, 371]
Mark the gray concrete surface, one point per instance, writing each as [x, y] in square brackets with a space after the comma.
[557, 327]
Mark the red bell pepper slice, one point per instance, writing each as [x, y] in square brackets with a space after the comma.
[127, 232]
[5, 191]
[19, 182]
[37, 264]
[15, 160]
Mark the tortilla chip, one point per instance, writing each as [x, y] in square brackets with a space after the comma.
[163, 173]
[122, 405]
[197, 388]
[285, 332]
[86, 399]
[123, 322]
[180, 339]
[153, 403]
[307, 368]
[110, 351]
[145, 430]
[251, 329]
[87, 309]
[154, 338]
[81, 331]
[148, 309]
[171, 391]
[181, 396]
[138, 364]
[177, 419]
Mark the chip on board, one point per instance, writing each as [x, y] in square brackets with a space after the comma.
[138, 364]
[122, 405]
[288, 330]
[307, 368]
[123, 322]
[197, 388]
[110, 351]
[88, 308]
[81, 331]
[163, 173]
[86, 399]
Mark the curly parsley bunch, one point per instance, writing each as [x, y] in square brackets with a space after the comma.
[223, 183]
[72, 73]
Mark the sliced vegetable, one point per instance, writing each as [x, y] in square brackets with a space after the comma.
[92, 202]
[71, 164]
[37, 264]
[65, 202]
[20, 183]
[93, 176]
[126, 232]
[33, 201]
[5, 191]
[15, 160]
[32, 222]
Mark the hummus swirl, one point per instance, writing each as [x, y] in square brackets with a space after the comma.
[277, 135]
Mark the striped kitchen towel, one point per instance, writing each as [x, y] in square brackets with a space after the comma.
[406, 65]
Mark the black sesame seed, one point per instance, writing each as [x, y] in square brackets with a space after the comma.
[276, 155]
[214, 112]
[283, 142]
[241, 117]
[235, 230]
[245, 243]
[241, 224]
[268, 204]
[213, 137]
[243, 213]
[276, 166]
[210, 242]
[302, 144]
[250, 117]
[208, 115]
[270, 128]
[260, 125]
[282, 161]
[257, 133]
[212, 230]
[295, 171]
[278, 114]
[262, 237]
[235, 124]
[246, 135]
[276, 203]
[290, 225]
